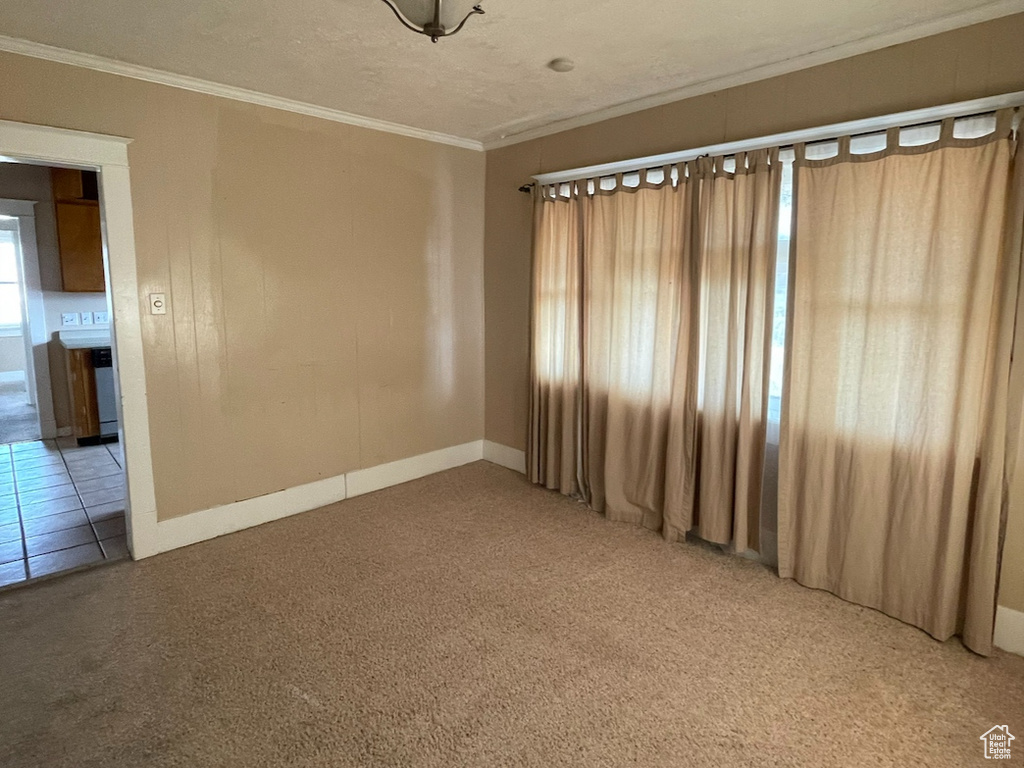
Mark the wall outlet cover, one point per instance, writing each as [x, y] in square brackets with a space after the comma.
[87, 318]
[101, 317]
[69, 318]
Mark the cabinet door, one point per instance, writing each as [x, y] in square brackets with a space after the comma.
[81, 247]
[85, 416]
[67, 184]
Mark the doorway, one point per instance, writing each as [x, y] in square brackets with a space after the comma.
[62, 486]
[106, 158]
[19, 417]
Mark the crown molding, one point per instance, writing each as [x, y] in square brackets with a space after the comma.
[196, 85]
[966, 18]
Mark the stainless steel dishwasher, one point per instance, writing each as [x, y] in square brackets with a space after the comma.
[106, 402]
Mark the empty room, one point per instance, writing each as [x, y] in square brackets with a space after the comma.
[430, 383]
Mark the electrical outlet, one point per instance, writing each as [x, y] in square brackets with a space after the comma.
[87, 318]
[101, 318]
[69, 318]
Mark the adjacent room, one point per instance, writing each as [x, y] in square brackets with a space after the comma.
[61, 476]
[442, 383]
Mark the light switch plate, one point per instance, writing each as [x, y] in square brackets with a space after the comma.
[69, 318]
[101, 318]
[87, 318]
[157, 304]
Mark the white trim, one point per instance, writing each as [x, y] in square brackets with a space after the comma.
[199, 526]
[1009, 634]
[371, 479]
[109, 155]
[503, 456]
[820, 133]
[229, 518]
[48, 429]
[26, 250]
[210, 523]
[868, 44]
[124, 307]
[12, 377]
[43, 145]
[196, 85]
[964, 18]
[11, 207]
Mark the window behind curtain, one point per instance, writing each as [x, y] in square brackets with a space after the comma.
[965, 128]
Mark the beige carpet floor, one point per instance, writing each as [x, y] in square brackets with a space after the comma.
[469, 619]
[18, 419]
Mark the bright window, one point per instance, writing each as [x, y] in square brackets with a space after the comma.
[10, 286]
[781, 290]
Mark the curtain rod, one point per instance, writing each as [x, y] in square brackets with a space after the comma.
[821, 133]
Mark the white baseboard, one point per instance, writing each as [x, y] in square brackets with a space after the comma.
[210, 523]
[502, 455]
[218, 521]
[12, 377]
[1009, 633]
[402, 471]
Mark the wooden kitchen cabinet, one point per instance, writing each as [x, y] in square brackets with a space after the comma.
[81, 247]
[85, 417]
[79, 237]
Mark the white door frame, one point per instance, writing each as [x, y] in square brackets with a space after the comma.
[26, 223]
[42, 145]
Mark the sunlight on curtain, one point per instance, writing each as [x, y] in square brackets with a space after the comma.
[738, 224]
[635, 290]
[555, 345]
[898, 348]
[652, 314]
[963, 128]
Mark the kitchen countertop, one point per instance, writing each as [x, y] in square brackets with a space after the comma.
[83, 339]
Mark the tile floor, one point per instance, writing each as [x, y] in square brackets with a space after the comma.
[61, 507]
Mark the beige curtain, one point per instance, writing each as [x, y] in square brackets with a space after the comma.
[556, 345]
[894, 422]
[652, 304]
[718, 438]
[637, 287]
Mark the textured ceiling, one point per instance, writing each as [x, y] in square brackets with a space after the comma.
[488, 81]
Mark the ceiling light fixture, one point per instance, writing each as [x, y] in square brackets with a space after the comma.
[434, 18]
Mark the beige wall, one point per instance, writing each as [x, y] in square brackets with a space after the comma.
[977, 61]
[324, 283]
[12, 353]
